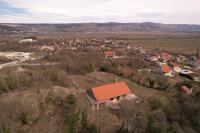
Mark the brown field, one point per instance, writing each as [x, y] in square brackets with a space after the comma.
[174, 42]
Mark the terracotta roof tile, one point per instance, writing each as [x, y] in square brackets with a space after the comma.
[165, 68]
[110, 91]
[186, 89]
[109, 53]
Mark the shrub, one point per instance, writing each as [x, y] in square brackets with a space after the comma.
[53, 99]
[23, 118]
[154, 103]
[71, 121]
[8, 83]
[163, 83]
[187, 83]
[157, 122]
[11, 82]
[70, 103]
[4, 129]
[92, 129]
[105, 67]
[56, 76]
[85, 126]
[151, 82]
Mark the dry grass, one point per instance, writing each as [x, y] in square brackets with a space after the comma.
[51, 119]
[101, 78]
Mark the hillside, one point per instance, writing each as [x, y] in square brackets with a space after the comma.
[100, 27]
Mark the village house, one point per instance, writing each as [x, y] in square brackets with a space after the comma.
[153, 58]
[155, 53]
[111, 93]
[195, 63]
[26, 41]
[166, 57]
[181, 58]
[21, 56]
[109, 54]
[48, 48]
[165, 69]
[176, 67]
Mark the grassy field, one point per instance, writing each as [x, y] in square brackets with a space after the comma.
[99, 78]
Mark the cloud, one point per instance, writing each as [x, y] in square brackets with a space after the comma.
[7, 9]
[67, 11]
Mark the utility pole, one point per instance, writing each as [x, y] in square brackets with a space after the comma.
[197, 54]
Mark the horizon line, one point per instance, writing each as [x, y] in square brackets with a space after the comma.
[101, 23]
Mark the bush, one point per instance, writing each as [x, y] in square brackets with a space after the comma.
[57, 76]
[8, 83]
[151, 82]
[23, 118]
[70, 103]
[92, 129]
[85, 126]
[53, 99]
[163, 83]
[154, 103]
[71, 121]
[157, 122]
[12, 81]
[4, 129]
[187, 83]
[105, 67]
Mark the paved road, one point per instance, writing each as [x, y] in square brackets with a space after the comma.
[18, 63]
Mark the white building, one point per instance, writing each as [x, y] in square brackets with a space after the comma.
[26, 41]
[195, 63]
[176, 67]
[21, 55]
[16, 55]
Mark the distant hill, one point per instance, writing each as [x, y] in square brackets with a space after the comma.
[100, 27]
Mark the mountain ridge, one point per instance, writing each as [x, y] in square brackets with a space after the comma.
[101, 27]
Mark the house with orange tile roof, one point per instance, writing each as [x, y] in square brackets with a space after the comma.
[108, 93]
[165, 69]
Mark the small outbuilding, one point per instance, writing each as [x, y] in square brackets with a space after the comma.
[186, 90]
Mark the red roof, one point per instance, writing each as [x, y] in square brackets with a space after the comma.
[186, 89]
[165, 55]
[198, 61]
[109, 91]
[155, 54]
[109, 53]
[165, 68]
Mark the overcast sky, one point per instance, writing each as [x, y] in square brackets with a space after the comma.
[76, 11]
